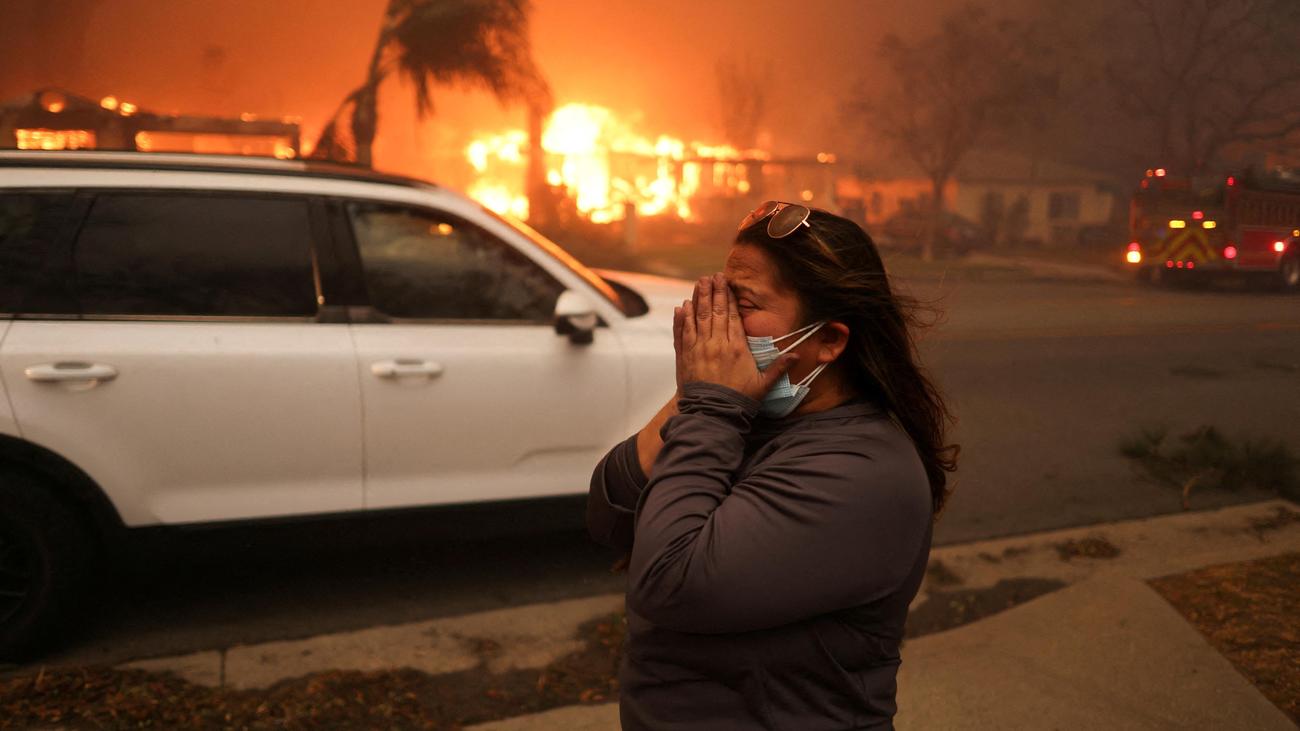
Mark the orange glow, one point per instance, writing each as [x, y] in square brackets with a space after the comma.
[213, 143]
[605, 165]
[126, 109]
[55, 139]
[109, 103]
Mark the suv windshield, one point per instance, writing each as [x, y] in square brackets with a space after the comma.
[564, 257]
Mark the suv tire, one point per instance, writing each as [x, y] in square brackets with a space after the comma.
[45, 557]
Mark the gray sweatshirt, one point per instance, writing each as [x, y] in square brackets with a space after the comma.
[772, 565]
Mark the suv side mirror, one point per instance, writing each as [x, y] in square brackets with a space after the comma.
[575, 317]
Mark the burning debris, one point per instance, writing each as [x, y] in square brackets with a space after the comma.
[53, 119]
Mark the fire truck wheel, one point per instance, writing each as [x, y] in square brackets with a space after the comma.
[1158, 277]
[1289, 273]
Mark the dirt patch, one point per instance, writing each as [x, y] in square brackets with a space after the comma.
[1248, 612]
[100, 697]
[943, 610]
[1008, 552]
[938, 574]
[1090, 547]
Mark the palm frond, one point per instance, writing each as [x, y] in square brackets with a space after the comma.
[468, 44]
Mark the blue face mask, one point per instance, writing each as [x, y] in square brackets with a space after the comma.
[784, 397]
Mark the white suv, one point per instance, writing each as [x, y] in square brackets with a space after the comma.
[197, 339]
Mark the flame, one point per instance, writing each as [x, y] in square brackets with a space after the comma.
[54, 139]
[604, 166]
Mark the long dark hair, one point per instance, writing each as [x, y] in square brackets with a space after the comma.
[845, 280]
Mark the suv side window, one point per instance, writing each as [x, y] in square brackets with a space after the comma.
[195, 254]
[420, 264]
[35, 265]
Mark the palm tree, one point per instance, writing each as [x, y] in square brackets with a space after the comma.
[468, 43]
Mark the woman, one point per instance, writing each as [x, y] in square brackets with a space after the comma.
[779, 507]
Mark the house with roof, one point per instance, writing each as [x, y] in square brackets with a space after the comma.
[1014, 198]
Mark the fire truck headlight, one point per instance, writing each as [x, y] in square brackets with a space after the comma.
[1208, 224]
[1177, 223]
[1279, 246]
[1134, 257]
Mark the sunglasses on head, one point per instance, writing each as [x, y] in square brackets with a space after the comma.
[786, 218]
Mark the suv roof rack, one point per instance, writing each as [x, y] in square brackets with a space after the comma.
[191, 162]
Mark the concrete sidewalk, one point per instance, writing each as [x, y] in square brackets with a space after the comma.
[1104, 652]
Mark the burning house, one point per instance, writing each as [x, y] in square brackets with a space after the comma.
[53, 119]
[597, 162]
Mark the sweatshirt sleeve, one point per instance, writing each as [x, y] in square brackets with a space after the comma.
[820, 526]
[616, 484]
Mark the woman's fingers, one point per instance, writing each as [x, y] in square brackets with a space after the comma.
[704, 307]
[720, 296]
[735, 329]
[689, 329]
[677, 328]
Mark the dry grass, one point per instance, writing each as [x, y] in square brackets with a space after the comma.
[1248, 611]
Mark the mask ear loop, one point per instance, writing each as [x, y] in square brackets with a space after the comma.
[809, 378]
[813, 328]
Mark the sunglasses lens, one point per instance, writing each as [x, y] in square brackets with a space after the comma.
[787, 220]
[764, 209]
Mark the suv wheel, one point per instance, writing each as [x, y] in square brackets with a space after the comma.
[44, 560]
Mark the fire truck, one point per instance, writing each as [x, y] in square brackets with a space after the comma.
[1187, 229]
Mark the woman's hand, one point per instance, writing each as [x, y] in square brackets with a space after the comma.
[711, 346]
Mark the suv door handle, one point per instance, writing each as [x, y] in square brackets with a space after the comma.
[70, 371]
[406, 367]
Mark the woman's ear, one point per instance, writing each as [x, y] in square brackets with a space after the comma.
[834, 339]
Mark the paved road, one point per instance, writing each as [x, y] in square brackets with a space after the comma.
[1045, 379]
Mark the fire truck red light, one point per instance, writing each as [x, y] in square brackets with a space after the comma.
[1180, 265]
[1134, 246]
[1231, 181]
[1191, 265]
[1229, 252]
[1169, 265]
[1198, 215]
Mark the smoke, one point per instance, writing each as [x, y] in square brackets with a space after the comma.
[652, 62]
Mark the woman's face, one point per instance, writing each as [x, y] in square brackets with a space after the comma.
[766, 306]
[769, 308]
